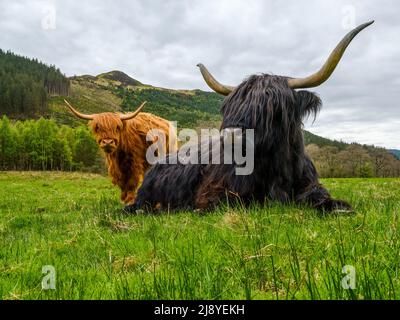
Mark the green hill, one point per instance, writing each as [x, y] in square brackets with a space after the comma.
[310, 138]
[120, 78]
[30, 89]
[115, 91]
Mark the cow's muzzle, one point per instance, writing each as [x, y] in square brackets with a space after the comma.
[108, 145]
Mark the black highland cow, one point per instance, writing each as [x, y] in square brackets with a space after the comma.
[282, 171]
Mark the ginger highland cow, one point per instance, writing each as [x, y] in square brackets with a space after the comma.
[122, 137]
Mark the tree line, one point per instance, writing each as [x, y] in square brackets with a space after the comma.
[44, 145]
[353, 161]
[25, 85]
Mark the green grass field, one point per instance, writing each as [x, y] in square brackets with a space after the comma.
[73, 222]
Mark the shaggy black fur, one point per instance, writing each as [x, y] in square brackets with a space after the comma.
[282, 172]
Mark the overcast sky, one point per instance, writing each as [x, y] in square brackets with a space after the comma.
[159, 42]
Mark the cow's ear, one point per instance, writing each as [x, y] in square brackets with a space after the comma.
[308, 103]
[95, 126]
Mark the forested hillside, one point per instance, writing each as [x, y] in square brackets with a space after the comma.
[26, 84]
[310, 138]
[190, 108]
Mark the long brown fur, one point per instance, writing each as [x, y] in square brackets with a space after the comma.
[127, 162]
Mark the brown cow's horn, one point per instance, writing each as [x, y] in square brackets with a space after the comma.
[214, 84]
[78, 114]
[330, 65]
[133, 114]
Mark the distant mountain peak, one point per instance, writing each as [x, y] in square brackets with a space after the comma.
[121, 77]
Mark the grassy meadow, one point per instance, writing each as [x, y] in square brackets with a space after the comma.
[73, 221]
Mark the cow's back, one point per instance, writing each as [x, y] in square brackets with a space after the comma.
[145, 122]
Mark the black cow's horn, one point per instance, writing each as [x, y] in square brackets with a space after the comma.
[311, 81]
[213, 83]
[327, 69]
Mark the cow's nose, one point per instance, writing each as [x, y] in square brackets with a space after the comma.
[107, 141]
